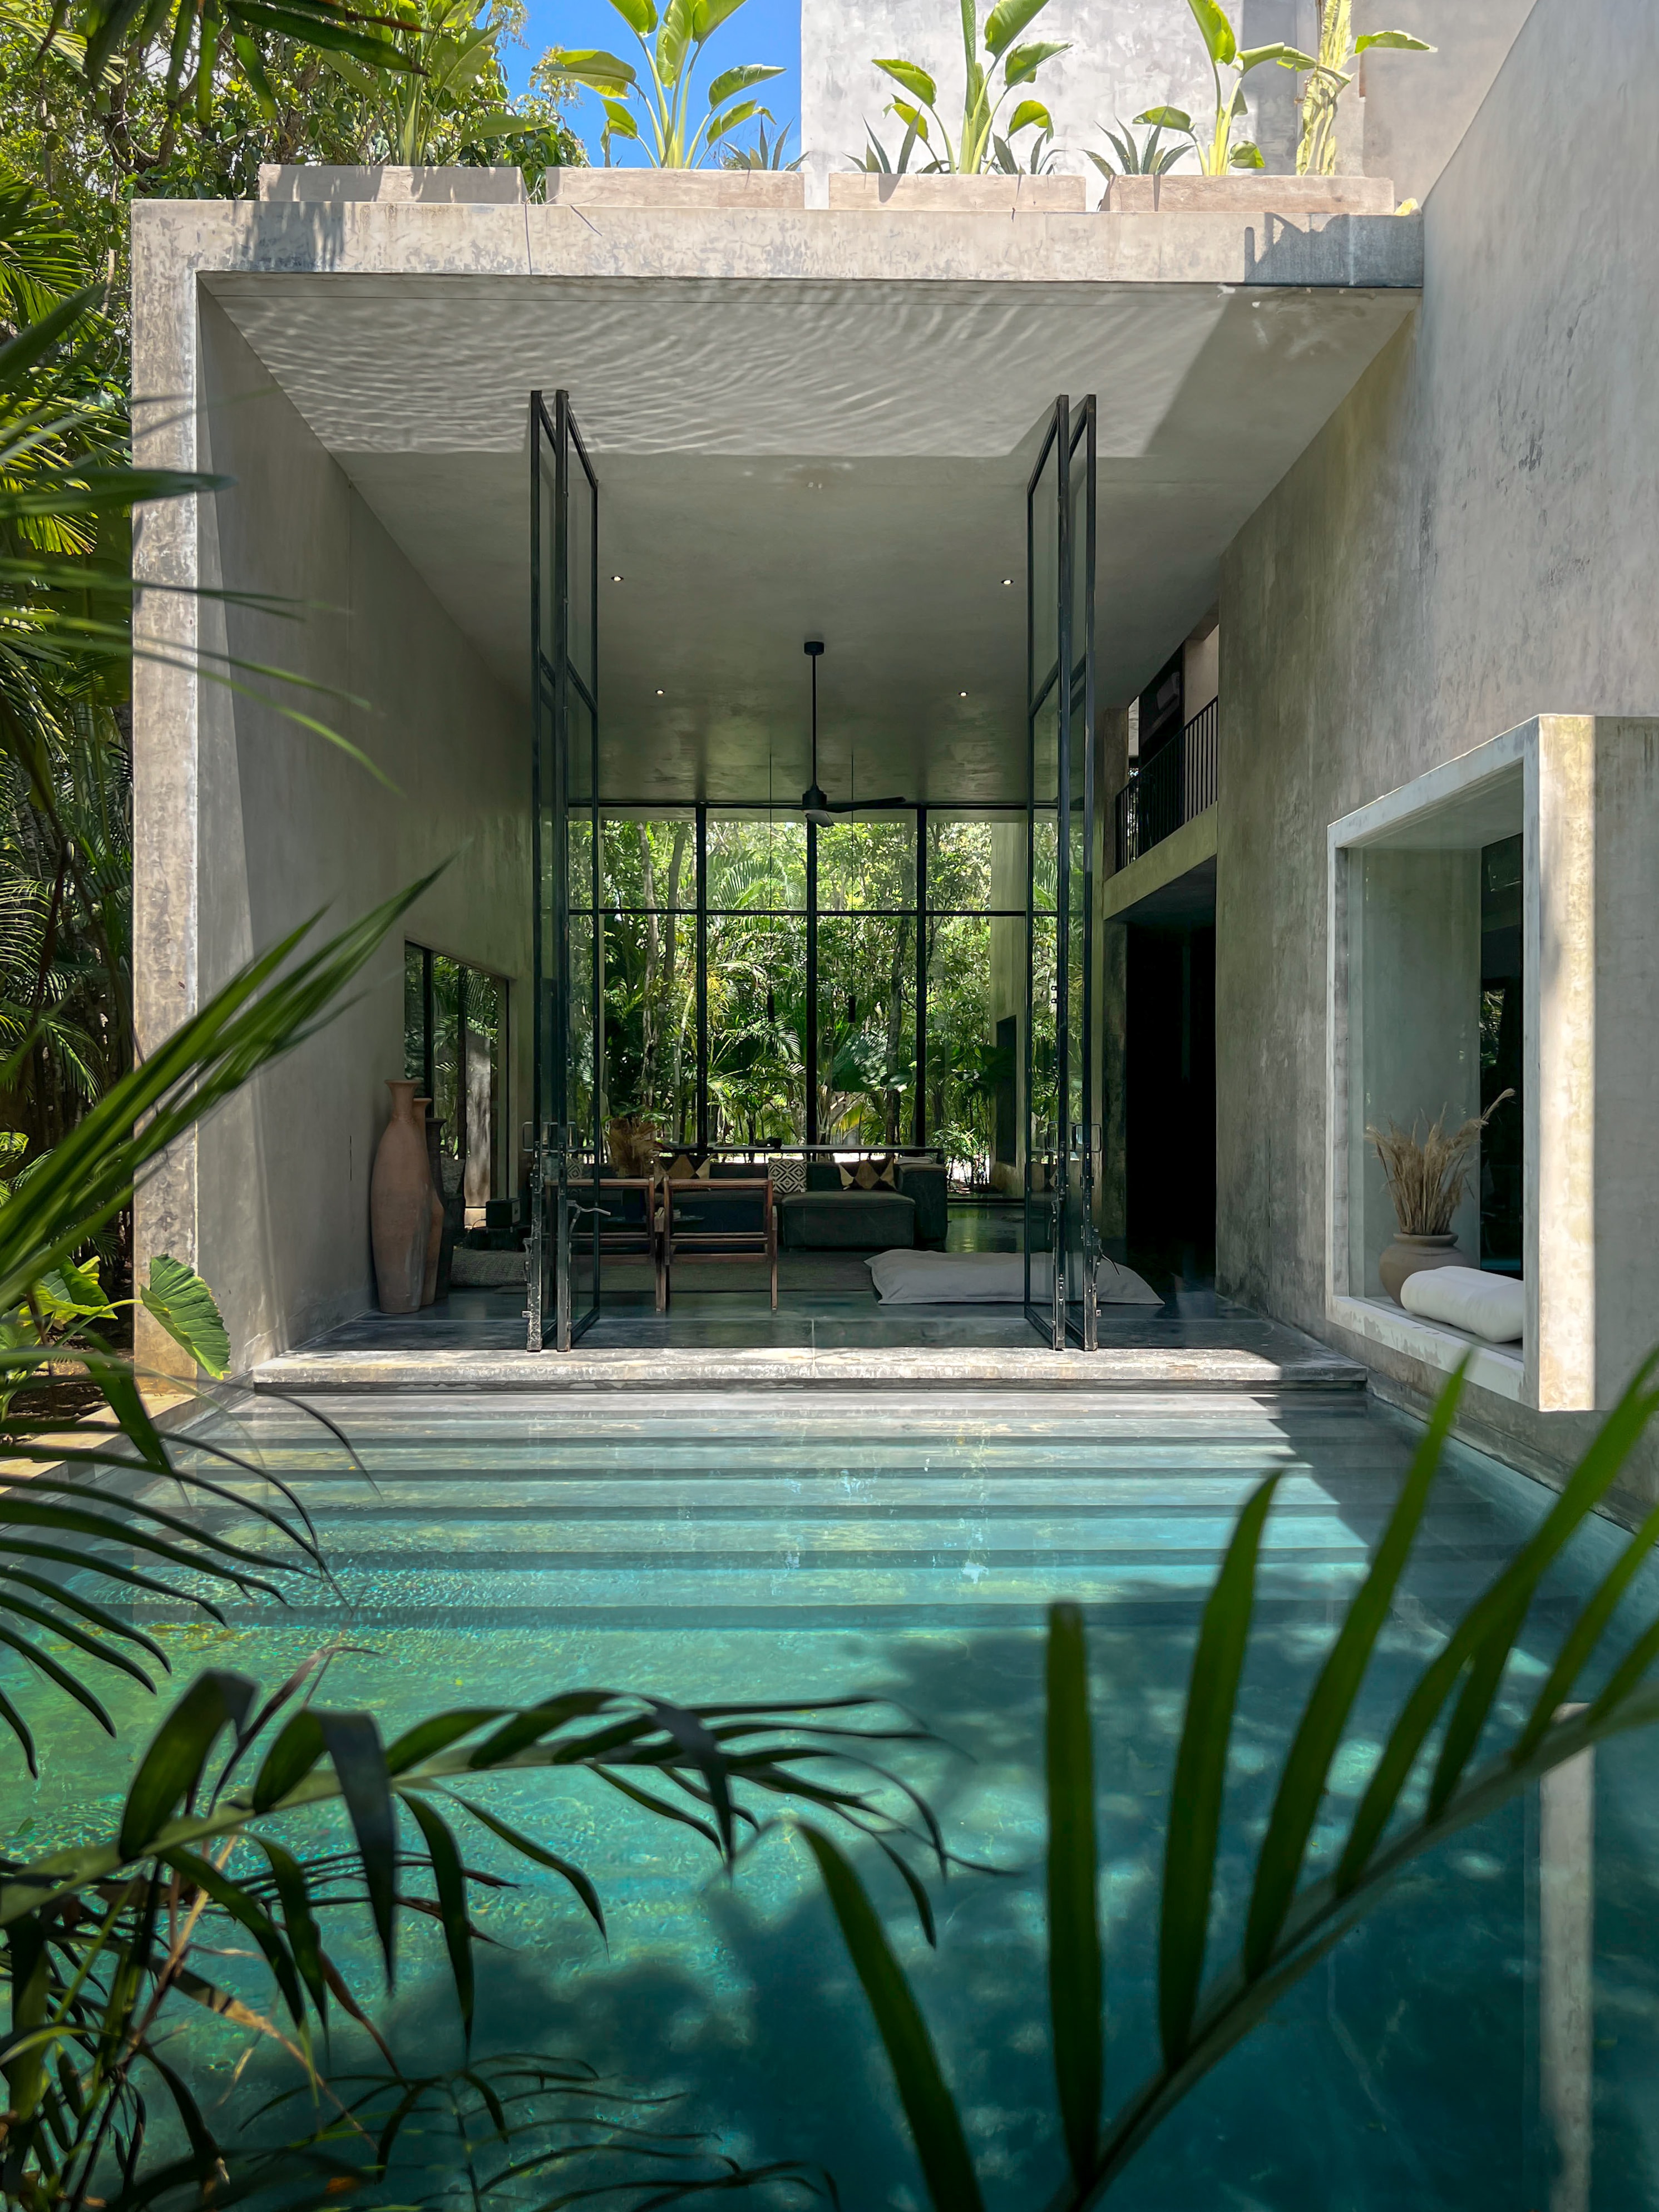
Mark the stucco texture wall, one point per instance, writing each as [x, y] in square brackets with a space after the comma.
[291, 824]
[1468, 542]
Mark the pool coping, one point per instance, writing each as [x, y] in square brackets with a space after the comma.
[1301, 1363]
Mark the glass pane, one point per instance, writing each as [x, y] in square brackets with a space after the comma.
[1076, 495]
[1045, 571]
[581, 1097]
[481, 1105]
[756, 861]
[584, 502]
[414, 1015]
[651, 1021]
[756, 1021]
[649, 862]
[867, 1028]
[975, 1006]
[867, 866]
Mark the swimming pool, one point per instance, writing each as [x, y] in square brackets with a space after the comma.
[708, 1547]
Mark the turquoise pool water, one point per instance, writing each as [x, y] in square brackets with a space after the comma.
[709, 1547]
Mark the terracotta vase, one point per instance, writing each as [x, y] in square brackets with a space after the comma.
[1410, 1255]
[431, 1131]
[400, 1206]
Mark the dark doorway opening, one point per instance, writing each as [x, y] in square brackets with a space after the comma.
[1170, 1095]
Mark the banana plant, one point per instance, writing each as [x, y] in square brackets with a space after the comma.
[449, 45]
[671, 46]
[978, 145]
[1292, 1921]
[1332, 73]
[1223, 151]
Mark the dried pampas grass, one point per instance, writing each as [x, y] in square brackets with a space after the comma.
[1428, 1176]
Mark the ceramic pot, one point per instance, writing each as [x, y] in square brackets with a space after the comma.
[1410, 1255]
[400, 1206]
[431, 1131]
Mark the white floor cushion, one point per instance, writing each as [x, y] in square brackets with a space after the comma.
[940, 1279]
[1491, 1306]
[486, 1270]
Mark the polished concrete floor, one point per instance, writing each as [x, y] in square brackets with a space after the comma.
[825, 1304]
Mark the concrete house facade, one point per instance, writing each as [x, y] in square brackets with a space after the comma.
[1375, 502]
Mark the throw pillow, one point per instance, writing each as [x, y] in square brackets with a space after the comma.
[847, 1180]
[866, 1175]
[680, 1169]
[789, 1178]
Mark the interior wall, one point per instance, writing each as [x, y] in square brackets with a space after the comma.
[1468, 539]
[291, 824]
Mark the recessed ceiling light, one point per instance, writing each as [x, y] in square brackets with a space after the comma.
[616, 579]
[1007, 580]
[962, 695]
[660, 694]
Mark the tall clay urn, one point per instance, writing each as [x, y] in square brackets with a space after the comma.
[400, 1206]
[431, 1132]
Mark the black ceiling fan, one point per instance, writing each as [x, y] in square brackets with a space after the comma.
[815, 806]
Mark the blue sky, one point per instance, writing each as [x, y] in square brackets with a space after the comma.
[760, 31]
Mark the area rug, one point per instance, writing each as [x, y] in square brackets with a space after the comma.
[951, 1279]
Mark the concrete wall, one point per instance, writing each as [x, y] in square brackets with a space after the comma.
[1468, 541]
[1130, 55]
[1126, 56]
[250, 825]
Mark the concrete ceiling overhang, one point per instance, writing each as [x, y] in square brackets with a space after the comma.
[781, 457]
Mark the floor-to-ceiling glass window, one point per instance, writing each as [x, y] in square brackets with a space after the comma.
[757, 968]
[867, 977]
[455, 1048]
[755, 978]
[648, 902]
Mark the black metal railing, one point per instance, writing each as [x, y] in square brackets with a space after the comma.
[1178, 782]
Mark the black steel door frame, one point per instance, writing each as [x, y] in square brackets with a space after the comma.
[565, 1158]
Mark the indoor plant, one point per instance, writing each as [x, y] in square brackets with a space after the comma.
[1426, 1179]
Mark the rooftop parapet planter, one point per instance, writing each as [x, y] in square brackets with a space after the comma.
[1247, 193]
[861, 192]
[677, 191]
[393, 186]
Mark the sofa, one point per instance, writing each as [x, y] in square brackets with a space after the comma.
[827, 1216]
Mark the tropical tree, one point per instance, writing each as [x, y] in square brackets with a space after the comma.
[670, 47]
[978, 143]
[1230, 64]
[1334, 72]
[1428, 1781]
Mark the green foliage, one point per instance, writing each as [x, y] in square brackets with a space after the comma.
[1294, 1918]
[1334, 72]
[108, 1944]
[978, 145]
[670, 47]
[1223, 151]
[181, 1302]
[93, 152]
[1143, 157]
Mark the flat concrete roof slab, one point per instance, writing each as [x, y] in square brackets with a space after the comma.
[811, 422]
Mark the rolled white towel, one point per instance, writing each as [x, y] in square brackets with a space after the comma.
[1491, 1306]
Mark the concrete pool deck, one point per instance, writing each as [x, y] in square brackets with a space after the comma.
[937, 1350]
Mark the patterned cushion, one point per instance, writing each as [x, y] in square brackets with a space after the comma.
[789, 1178]
[868, 1176]
[683, 1168]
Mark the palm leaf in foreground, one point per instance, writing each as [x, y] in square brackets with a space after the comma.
[91, 1526]
[1403, 1813]
[99, 1940]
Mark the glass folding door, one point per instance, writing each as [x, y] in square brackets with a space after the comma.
[566, 1155]
[1059, 1084]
